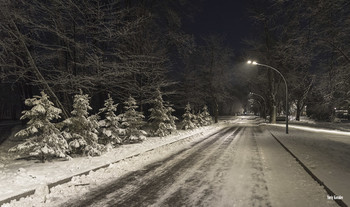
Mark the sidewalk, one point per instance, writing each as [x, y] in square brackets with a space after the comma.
[288, 183]
[324, 151]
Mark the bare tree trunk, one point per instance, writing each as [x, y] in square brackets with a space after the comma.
[301, 101]
[297, 116]
[216, 111]
[38, 74]
[273, 107]
[273, 115]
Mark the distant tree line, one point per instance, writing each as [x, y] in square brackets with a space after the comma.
[123, 48]
[308, 42]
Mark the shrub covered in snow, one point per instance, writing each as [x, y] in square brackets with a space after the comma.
[81, 130]
[132, 121]
[172, 119]
[187, 122]
[110, 126]
[205, 118]
[44, 140]
[196, 119]
[162, 122]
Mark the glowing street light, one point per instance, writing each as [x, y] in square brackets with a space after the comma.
[252, 62]
[285, 82]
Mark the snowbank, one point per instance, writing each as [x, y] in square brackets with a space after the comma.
[325, 152]
[18, 177]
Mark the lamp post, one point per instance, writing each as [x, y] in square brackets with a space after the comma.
[285, 82]
[251, 93]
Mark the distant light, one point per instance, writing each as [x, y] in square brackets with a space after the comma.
[252, 62]
[335, 108]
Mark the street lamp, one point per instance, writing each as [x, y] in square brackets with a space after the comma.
[252, 62]
[251, 93]
[285, 82]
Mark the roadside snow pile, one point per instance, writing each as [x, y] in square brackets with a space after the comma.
[307, 122]
[313, 129]
[303, 119]
[22, 176]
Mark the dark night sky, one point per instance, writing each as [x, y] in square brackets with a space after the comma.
[229, 17]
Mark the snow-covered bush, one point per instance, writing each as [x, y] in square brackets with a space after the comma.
[132, 121]
[162, 122]
[172, 119]
[44, 140]
[187, 122]
[205, 117]
[196, 119]
[81, 131]
[110, 126]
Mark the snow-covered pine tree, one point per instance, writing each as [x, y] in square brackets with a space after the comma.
[110, 126]
[205, 116]
[200, 119]
[160, 121]
[44, 140]
[82, 129]
[132, 122]
[195, 119]
[187, 118]
[172, 119]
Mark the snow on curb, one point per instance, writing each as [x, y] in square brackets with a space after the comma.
[309, 172]
[85, 170]
[311, 129]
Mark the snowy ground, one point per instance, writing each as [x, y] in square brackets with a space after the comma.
[325, 152]
[241, 166]
[20, 176]
[305, 121]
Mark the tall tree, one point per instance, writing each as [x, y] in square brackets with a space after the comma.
[286, 45]
[208, 74]
[132, 121]
[65, 46]
[82, 129]
[162, 122]
[110, 126]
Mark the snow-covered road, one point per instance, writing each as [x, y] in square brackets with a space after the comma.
[241, 165]
[236, 163]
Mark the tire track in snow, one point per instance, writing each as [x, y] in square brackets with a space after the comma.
[260, 195]
[201, 187]
[196, 159]
[245, 185]
[134, 188]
